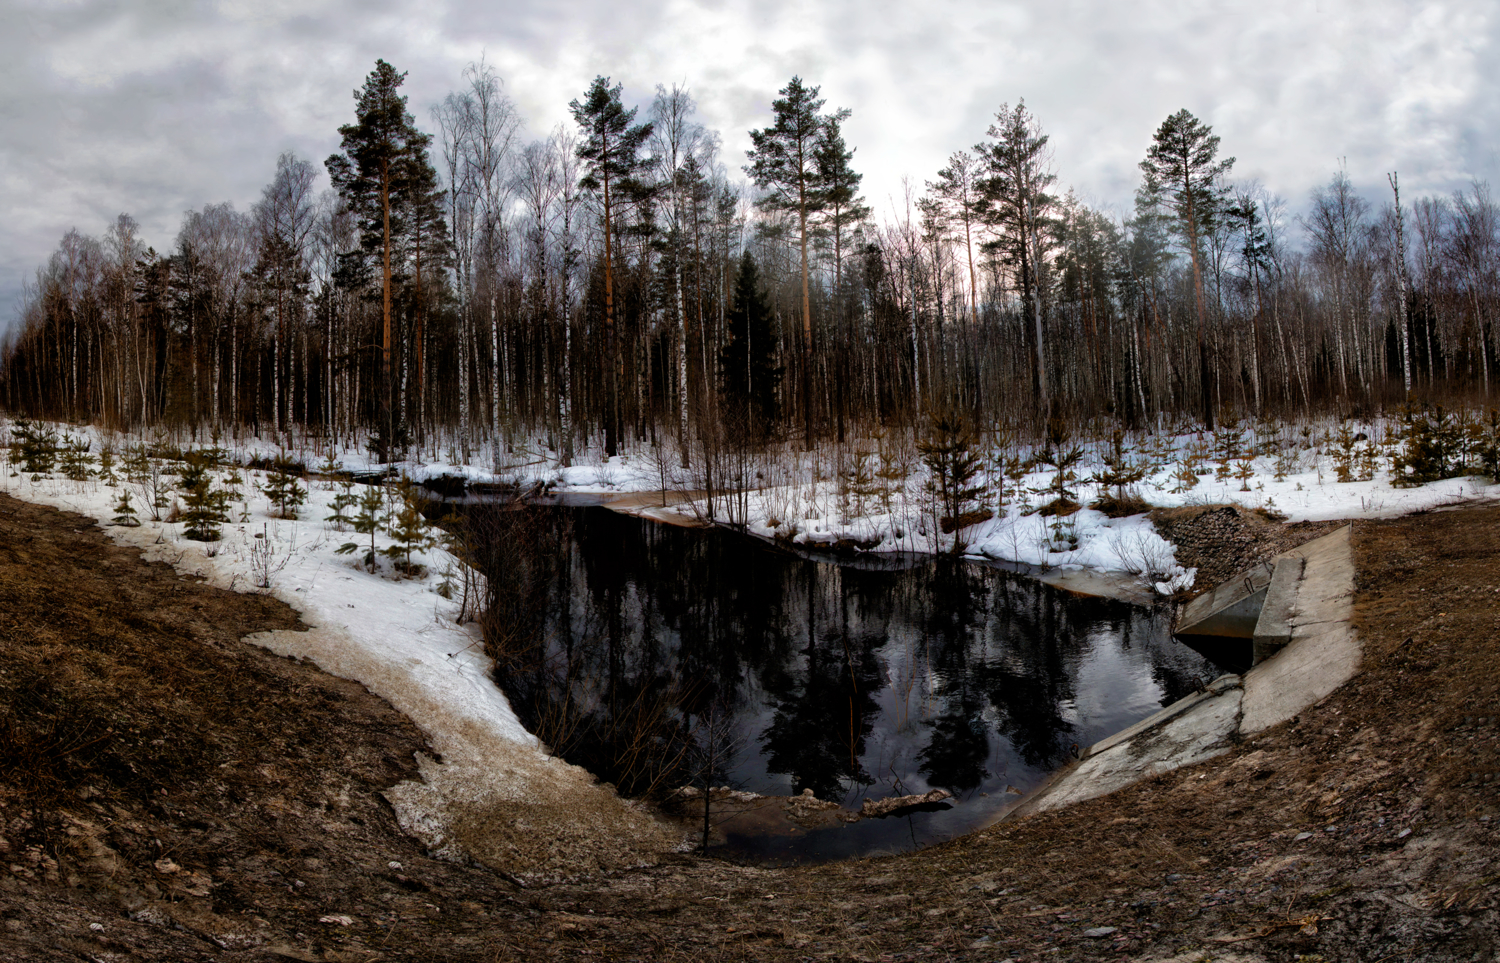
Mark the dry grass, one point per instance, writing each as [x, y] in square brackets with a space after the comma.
[1202, 863]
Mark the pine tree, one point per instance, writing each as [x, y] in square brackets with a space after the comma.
[843, 209]
[368, 522]
[137, 463]
[205, 507]
[38, 446]
[1183, 172]
[948, 451]
[784, 163]
[107, 466]
[408, 527]
[282, 489]
[342, 502]
[1018, 207]
[610, 150]
[1119, 471]
[125, 515]
[382, 174]
[958, 189]
[75, 459]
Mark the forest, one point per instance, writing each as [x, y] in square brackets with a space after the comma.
[620, 282]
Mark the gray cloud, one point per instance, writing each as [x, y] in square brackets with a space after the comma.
[156, 107]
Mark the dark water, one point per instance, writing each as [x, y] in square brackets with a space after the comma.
[657, 656]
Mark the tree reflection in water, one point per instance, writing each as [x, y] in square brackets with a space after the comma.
[617, 638]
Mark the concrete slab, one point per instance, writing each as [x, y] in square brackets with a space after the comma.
[1273, 630]
[1182, 706]
[1323, 652]
[1207, 729]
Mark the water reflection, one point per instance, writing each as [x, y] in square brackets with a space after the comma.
[654, 656]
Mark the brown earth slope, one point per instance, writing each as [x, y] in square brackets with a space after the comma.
[1366, 829]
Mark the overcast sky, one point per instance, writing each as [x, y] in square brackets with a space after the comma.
[154, 108]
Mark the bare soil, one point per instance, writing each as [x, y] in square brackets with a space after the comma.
[168, 792]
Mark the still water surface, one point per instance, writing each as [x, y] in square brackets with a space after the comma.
[673, 655]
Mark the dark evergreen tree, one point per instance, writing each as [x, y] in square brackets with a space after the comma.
[843, 209]
[38, 446]
[205, 508]
[750, 375]
[125, 514]
[367, 522]
[282, 490]
[950, 453]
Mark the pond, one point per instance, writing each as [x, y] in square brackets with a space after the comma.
[658, 657]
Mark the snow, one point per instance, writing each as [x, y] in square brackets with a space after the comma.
[397, 636]
[402, 638]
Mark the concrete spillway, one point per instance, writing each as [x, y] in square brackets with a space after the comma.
[1295, 612]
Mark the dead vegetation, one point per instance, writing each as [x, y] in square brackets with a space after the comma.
[1365, 829]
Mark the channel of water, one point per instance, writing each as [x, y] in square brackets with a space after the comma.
[657, 656]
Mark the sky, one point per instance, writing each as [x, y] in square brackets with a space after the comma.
[156, 108]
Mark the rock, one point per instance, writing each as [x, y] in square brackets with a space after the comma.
[1301, 836]
[1099, 932]
[336, 919]
[808, 803]
[872, 808]
[194, 884]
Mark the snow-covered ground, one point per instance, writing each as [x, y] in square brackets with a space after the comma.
[401, 634]
[397, 634]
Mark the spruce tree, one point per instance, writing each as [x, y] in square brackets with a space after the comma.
[843, 209]
[342, 503]
[282, 489]
[38, 446]
[948, 451]
[107, 466]
[205, 507]
[408, 527]
[1119, 471]
[75, 459]
[125, 515]
[750, 375]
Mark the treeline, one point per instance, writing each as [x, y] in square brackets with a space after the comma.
[619, 281]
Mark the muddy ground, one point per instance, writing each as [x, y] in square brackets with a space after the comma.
[168, 792]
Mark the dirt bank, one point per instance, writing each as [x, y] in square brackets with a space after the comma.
[168, 792]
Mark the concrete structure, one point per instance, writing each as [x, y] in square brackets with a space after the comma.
[1231, 608]
[1309, 650]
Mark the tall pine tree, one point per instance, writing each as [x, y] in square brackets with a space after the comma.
[784, 163]
[1184, 174]
[610, 150]
[383, 174]
[1018, 206]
